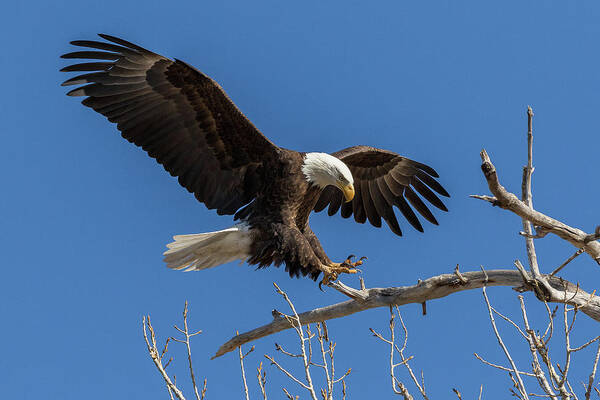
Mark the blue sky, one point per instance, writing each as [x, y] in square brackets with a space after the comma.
[86, 215]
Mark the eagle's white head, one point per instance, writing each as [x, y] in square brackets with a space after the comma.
[322, 170]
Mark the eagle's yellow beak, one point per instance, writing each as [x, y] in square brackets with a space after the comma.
[348, 192]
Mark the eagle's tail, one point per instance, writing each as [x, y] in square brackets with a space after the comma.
[206, 250]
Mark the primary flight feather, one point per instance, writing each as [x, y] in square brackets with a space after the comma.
[185, 121]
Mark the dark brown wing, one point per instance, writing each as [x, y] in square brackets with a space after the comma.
[180, 116]
[383, 179]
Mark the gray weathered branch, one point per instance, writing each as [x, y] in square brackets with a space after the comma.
[508, 201]
[429, 289]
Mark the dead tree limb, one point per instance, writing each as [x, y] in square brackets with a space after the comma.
[428, 289]
[527, 198]
[543, 223]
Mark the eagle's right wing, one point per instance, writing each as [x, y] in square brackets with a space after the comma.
[180, 116]
[382, 180]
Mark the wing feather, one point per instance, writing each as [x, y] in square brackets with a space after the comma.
[323, 200]
[432, 183]
[428, 194]
[336, 203]
[92, 55]
[384, 203]
[91, 66]
[368, 204]
[418, 204]
[357, 206]
[408, 213]
[346, 210]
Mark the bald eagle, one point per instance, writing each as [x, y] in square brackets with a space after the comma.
[184, 120]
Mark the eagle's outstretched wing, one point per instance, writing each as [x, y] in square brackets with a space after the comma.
[180, 116]
[383, 179]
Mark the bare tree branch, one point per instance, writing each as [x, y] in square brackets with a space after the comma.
[574, 256]
[187, 335]
[288, 395]
[500, 367]
[592, 376]
[508, 201]
[533, 348]
[241, 357]
[156, 358]
[527, 198]
[556, 384]
[520, 385]
[326, 346]
[397, 386]
[294, 321]
[429, 289]
[262, 380]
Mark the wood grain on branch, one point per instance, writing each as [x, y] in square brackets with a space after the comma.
[509, 201]
[429, 289]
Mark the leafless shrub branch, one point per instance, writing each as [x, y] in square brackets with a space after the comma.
[262, 380]
[592, 376]
[397, 386]
[551, 377]
[241, 358]
[326, 347]
[515, 371]
[157, 358]
[186, 340]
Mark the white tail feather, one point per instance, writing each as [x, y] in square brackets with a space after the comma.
[207, 250]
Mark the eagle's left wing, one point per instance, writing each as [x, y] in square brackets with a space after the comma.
[179, 116]
[383, 179]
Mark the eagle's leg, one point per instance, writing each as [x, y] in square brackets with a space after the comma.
[328, 276]
[333, 270]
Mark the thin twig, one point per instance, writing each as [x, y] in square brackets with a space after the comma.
[457, 393]
[241, 358]
[527, 197]
[534, 345]
[460, 276]
[287, 373]
[500, 367]
[397, 386]
[521, 386]
[297, 324]
[583, 346]
[288, 395]
[574, 256]
[262, 380]
[510, 321]
[592, 376]
[185, 331]
[154, 355]
[328, 378]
